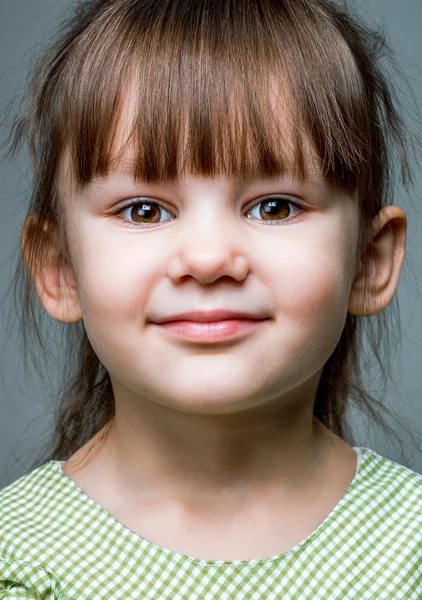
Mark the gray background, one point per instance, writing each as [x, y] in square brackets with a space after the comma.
[25, 416]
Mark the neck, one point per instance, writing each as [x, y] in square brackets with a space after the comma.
[204, 459]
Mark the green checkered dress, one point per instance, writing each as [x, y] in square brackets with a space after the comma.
[56, 543]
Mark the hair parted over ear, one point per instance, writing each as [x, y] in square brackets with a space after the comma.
[54, 280]
[202, 75]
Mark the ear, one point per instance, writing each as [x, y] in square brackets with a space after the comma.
[381, 264]
[53, 279]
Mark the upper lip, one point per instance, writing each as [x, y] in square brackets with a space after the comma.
[209, 316]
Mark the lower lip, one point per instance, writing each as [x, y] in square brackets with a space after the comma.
[210, 333]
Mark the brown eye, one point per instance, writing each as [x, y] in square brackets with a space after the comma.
[274, 209]
[143, 213]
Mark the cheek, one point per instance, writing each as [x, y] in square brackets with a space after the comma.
[313, 288]
[318, 281]
[113, 284]
[114, 277]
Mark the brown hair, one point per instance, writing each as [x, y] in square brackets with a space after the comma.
[203, 75]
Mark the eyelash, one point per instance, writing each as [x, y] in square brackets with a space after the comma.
[269, 199]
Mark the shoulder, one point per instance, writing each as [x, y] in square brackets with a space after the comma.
[25, 485]
[388, 476]
[22, 502]
[23, 516]
[389, 496]
[29, 508]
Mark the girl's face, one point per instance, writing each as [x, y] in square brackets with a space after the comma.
[204, 244]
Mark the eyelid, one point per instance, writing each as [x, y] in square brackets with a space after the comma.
[257, 200]
[293, 200]
[274, 196]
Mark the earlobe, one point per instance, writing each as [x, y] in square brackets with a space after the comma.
[52, 274]
[381, 264]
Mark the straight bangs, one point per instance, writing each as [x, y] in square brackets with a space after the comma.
[217, 87]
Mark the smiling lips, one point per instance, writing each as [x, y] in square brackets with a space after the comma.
[210, 316]
[211, 332]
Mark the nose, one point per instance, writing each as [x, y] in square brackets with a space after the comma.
[207, 258]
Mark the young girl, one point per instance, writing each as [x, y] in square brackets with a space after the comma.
[210, 222]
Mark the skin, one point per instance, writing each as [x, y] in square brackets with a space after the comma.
[214, 451]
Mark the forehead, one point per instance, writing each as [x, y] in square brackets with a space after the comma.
[248, 94]
[127, 151]
[122, 175]
[124, 161]
[228, 122]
